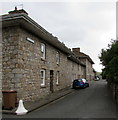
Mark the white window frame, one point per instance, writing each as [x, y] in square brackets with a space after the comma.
[43, 51]
[43, 77]
[57, 58]
[57, 77]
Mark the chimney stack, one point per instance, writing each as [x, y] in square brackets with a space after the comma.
[76, 50]
[16, 11]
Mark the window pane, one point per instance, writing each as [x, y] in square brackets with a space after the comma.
[42, 50]
[57, 57]
[57, 81]
[42, 47]
[42, 77]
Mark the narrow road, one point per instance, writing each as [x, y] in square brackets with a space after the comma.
[93, 102]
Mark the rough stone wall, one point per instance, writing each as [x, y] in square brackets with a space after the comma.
[114, 88]
[29, 58]
[28, 67]
[82, 71]
[89, 70]
[9, 57]
[22, 64]
[0, 69]
[75, 71]
[65, 67]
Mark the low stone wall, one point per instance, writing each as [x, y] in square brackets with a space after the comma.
[0, 71]
[114, 88]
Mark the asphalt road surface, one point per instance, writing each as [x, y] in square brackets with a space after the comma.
[93, 102]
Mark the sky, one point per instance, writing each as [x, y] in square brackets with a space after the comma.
[89, 25]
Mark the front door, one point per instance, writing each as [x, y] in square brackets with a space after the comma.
[51, 80]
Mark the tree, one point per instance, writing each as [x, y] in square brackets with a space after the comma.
[109, 59]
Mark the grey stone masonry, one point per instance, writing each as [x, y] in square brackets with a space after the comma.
[114, 88]
[88, 63]
[0, 70]
[35, 63]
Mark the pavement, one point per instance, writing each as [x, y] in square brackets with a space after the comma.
[31, 106]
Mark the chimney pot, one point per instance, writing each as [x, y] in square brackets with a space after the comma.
[16, 11]
[76, 50]
[15, 8]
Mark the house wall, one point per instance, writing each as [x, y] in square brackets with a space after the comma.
[0, 71]
[89, 70]
[22, 64]
[82, 71]
[89, 74]
[10, 39]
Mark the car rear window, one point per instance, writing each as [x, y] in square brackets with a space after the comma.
[84, 80]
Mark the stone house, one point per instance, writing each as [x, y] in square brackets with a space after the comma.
[35, 63]
[90, 73]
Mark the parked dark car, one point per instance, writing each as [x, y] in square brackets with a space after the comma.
[80, 83]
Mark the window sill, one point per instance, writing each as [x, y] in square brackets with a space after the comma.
[43, 59]
[58, 64]
[43, 86]
[57, 84]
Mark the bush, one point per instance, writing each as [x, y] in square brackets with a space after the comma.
[109, 59]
